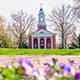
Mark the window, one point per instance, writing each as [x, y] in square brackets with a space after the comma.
[41, 32]
[41, 19]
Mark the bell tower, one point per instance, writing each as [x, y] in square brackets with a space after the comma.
[41, 19]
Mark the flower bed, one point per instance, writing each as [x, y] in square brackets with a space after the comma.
[35, 70]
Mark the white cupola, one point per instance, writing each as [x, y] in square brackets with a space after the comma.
[41, 19]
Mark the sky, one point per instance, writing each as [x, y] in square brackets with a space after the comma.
[7, 7]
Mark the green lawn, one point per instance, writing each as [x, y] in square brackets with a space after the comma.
[7, 51]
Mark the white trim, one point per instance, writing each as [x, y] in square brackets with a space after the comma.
[51, 42]
[38, 42]
[32, 42]
[45, 42]
[42, 33]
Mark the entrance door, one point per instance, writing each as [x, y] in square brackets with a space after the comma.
[42, 43]
[35, 43]
[48, 43]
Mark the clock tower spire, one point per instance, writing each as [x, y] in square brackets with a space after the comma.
[41, 19]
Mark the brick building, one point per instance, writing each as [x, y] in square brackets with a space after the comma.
[42, 38]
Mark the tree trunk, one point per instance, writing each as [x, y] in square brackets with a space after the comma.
[79, 43]
[20, 41]
[65, 44]
[79, 40]
[62, 38]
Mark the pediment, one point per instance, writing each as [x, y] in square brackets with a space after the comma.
[42, 32]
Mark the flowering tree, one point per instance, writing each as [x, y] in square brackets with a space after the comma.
[5, 40]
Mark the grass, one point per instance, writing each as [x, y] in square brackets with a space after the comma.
[7, 51]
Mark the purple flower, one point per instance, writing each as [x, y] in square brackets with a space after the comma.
[47, 71]
[20, 60]
[46, 63]
[25, 64]
[26, 61]
[66, 67]
[72, 62]
[29, 63]
[77, 75]
[62, 65]
[27, 76]
[6, 65]
[36, 72]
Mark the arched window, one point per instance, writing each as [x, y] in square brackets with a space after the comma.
[35, 43]
[48, 43]
[42, 43]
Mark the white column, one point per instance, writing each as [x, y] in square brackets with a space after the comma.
[32, 42]
[38, 42]
[45, 41]
[51, 42]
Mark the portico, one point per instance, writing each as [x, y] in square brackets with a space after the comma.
[42, 42]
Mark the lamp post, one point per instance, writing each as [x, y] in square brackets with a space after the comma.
[79, 40]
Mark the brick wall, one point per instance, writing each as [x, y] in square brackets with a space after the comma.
[30, 41]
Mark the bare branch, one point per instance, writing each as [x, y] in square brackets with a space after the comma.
[63, 20]
[21, 22]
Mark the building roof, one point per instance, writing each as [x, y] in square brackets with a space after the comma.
[42, 32]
